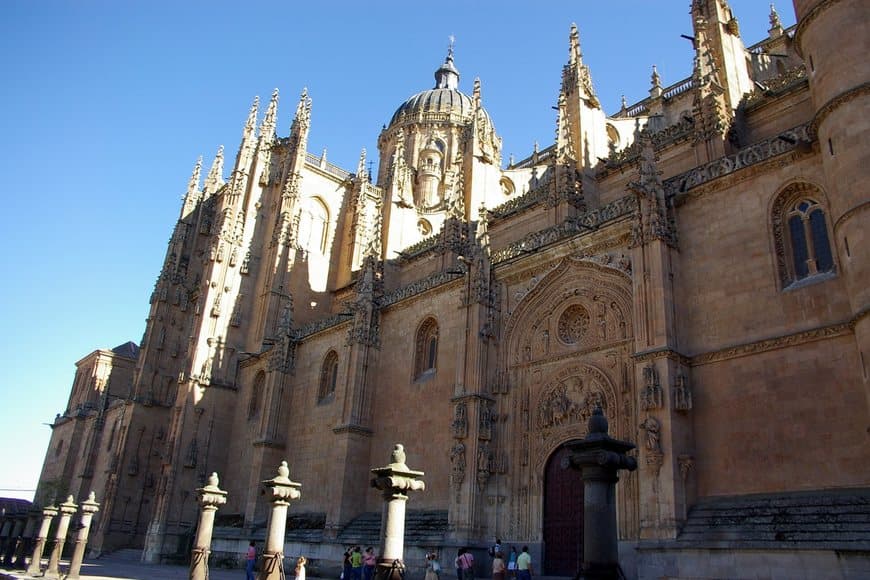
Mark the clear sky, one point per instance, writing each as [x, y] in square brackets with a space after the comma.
[106, 105]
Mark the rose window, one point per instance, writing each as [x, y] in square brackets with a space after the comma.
[573, 324]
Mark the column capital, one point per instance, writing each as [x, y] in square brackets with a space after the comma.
[68, 507]
[397, 477]
[50, 511]
[282, 488]
[90, 505]
[211, 496]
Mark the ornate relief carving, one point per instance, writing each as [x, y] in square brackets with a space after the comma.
[487, 421]
[573, 324]
[484, 465]
[651, 397]
[570, 399]
[459, 427]
[457, 464]
[682, 393]
[760, 346]
[687, 464]
[652, 440]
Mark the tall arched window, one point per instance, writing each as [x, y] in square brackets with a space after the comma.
[426, 348]
[314, 225]
[800, 230]
[256, 395]
[328, 377]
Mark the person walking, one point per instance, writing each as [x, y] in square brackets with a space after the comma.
[466, 562]
[300, 567]
[457, 563]
[433, 568]
[345, 565]
[369, 562]
[512, 563]
[250, 560]
[524, 565]
[498, 566]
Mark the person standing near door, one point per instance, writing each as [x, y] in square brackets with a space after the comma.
[524, 565]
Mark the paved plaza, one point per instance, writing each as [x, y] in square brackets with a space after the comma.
[121, 568]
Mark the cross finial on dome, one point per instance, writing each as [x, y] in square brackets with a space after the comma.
[450, 47]
[447, 77]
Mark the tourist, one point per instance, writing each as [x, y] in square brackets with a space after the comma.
[512, 562]
[524, 565]
[496, 548]
[300, 567]
[457, 563]
[466, 564]
[369, 563]
[250, 560]
[433, 568]
[498, 567]
[345, 566]
[356, 563]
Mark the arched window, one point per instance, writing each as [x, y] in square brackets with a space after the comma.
[328, 377]
[426, 348]
[800, 230]
[314, 225]
[256, 395]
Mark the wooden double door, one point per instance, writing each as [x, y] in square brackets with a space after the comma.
[563, 518]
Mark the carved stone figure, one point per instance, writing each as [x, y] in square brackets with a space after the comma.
[653, 434]
[460, 421]
[457, 464]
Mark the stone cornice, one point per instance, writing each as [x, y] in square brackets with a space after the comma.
[769, 344]
[835, 103]
[574, 353]
[807, 20]
[664, 352]
[418, 287]
[727, 171]
[352, 429]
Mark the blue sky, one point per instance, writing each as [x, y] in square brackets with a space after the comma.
[106, 105]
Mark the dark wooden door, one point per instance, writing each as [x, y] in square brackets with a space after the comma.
[563, 517]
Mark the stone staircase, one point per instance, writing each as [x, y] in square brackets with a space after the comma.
[123, 555]
[835, 519]
[422, 528]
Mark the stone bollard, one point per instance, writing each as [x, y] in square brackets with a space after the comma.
[26, 542]
[283, 490]
[35, 569]
[394, 481]
[67, 509]
[89, 508]
[599, 457]
[210, 497]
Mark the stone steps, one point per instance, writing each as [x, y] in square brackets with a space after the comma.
[422, 527]
[835, 518]
[123, 555]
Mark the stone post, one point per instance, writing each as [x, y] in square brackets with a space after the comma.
[15, 542]
[26, 540]
[394, 481]
[210, 497]
[67, 509]
[89, 508]
[34, 569]
[283, 490]
[599, 457]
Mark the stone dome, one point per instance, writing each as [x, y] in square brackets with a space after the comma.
[444, 102]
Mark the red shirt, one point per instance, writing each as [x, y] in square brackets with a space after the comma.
[252, 553]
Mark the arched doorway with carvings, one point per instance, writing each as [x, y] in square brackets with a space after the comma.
[568, 350]
[563, 517]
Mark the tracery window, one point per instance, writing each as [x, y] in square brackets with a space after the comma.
[801, 237]
[426, 348]
[256, 395]
[328, 377]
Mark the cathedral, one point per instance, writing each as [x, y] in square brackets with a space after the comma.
[695, 264]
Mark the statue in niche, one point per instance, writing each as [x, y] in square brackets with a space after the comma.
[651, 396]
[682, 393]
[457, 463]
[653, 428]
[487, 418]
[460, 421]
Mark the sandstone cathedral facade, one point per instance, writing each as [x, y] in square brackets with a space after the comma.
[696, 264]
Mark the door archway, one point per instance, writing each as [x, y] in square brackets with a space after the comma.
[563, 517]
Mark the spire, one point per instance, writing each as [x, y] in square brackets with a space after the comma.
[655, 90]
[576, 79]
[251, 123]
[475, 93]
[301, 123]
[361, 166]
[447, 77]
[193, 184]
[775, 29]
[574, 54]
[215, 179]
[267, 127]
